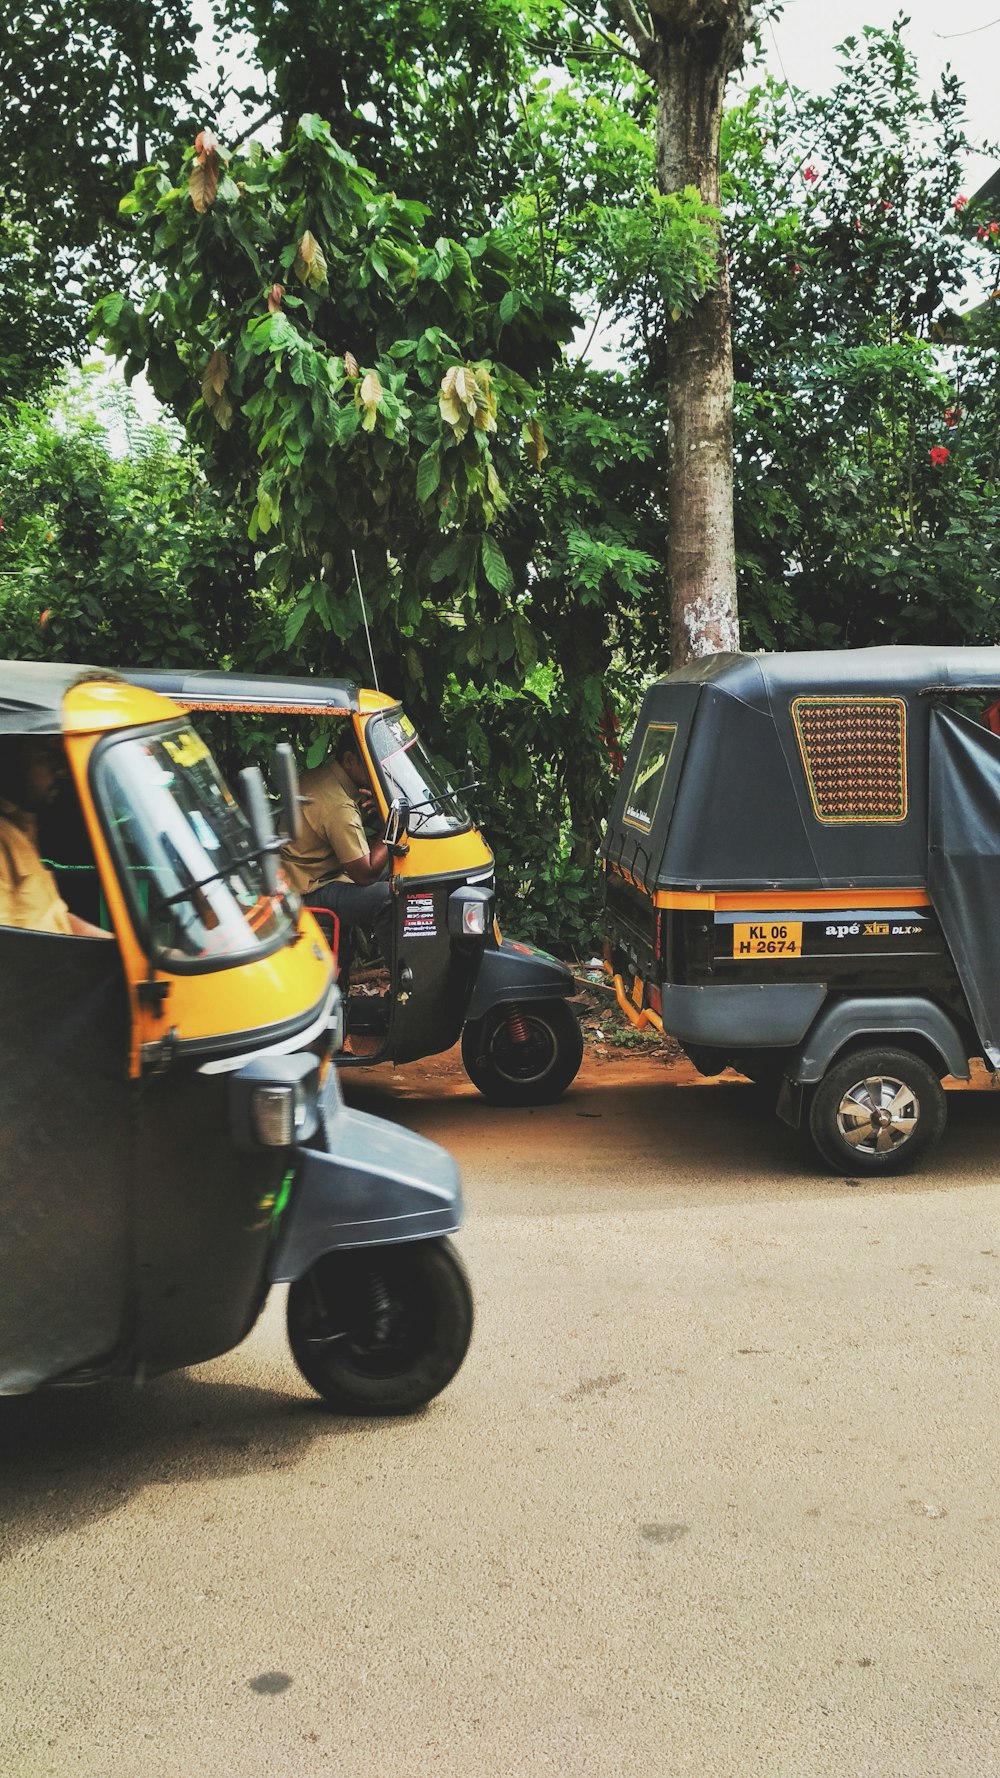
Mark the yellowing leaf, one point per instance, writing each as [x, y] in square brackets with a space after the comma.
[351, 366]
[310, 264]
[206, 144]
[533, 441]
[459, 398]
[274, 297]
[214, 378]
[486, 402]
[203, 184]
[368, 396]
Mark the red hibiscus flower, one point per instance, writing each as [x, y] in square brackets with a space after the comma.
[810, 175]
[939, 455]
[960, 203]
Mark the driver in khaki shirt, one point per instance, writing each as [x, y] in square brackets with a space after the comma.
[32, 768]
[333, 864]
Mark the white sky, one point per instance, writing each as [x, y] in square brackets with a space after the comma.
[801, 48]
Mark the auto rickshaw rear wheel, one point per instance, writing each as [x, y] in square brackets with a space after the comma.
[877, 1111]
[523, 1054]
[381, 1330]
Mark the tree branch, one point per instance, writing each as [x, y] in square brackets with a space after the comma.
[643, 39]
[239, 140]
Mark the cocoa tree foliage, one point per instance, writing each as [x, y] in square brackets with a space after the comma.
[340, 376]
[358, 385]
[418, 90]
[866, 473]
[91, 92]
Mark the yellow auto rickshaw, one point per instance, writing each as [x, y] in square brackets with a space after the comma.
[174, 1139]
[452, 974]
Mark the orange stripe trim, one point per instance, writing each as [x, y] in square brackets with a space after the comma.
[728, 902]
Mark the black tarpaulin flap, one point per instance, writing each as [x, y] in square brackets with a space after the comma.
[66, 1155]
[963, 866]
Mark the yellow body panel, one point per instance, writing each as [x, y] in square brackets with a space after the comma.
[224, 1002]
[371, 701]
[102, 704]
[444, 855]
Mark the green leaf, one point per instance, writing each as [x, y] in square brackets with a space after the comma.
[428, 474]
[495, 566]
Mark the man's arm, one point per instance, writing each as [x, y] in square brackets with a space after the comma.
[83, 928]
[369, 867]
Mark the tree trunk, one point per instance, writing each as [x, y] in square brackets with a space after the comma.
[689, 48]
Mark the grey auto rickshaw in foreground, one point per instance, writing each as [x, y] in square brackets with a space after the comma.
[802, 871]
[174, 1139]
[452, 975]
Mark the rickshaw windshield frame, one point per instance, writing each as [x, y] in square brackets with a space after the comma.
[170, 960]
[436, 808]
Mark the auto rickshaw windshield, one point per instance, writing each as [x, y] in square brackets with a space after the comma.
[185, 851]
[408, 772]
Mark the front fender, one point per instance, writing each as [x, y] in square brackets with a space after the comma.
[371, 1184]
[518, 972]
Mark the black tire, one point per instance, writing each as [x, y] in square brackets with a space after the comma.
[523, 1055]
[877, 1112]
[381, 1330]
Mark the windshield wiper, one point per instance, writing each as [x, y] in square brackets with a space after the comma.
[196, 884]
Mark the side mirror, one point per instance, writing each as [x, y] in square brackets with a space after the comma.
[258, 813]
[287, 773]
[395, 837]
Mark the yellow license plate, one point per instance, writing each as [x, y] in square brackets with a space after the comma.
[767, 938]
[637, 991]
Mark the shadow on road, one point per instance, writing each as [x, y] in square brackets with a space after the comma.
[639, 1130]
[68, 1457]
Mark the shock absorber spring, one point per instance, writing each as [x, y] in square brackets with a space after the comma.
[517, 1028]
[381, 1307]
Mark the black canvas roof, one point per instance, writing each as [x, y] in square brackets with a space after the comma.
[247, 691]
[32, 694]
[736, 809]
[887, 669]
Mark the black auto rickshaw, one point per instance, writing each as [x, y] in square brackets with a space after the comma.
[451, 973]
[174, 1140]
[802, 882]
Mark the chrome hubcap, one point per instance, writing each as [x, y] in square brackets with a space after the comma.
[878, 1114]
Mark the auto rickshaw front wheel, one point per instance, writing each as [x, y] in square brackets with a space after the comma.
[523, 1054]
[877, 1111]
[381, 1330]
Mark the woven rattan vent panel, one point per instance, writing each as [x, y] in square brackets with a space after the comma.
[854, 754]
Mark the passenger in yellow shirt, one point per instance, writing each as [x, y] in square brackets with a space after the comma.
[333, 864]
[32, 769]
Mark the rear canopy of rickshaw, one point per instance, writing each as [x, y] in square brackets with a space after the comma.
[789, 771]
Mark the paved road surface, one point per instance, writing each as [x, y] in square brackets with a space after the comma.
[715, 1495]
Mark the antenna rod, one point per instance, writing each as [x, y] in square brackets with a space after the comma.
[361, 596]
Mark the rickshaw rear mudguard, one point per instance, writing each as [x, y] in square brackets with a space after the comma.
[857, 1017]
[371, 1186]
[518, 972]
